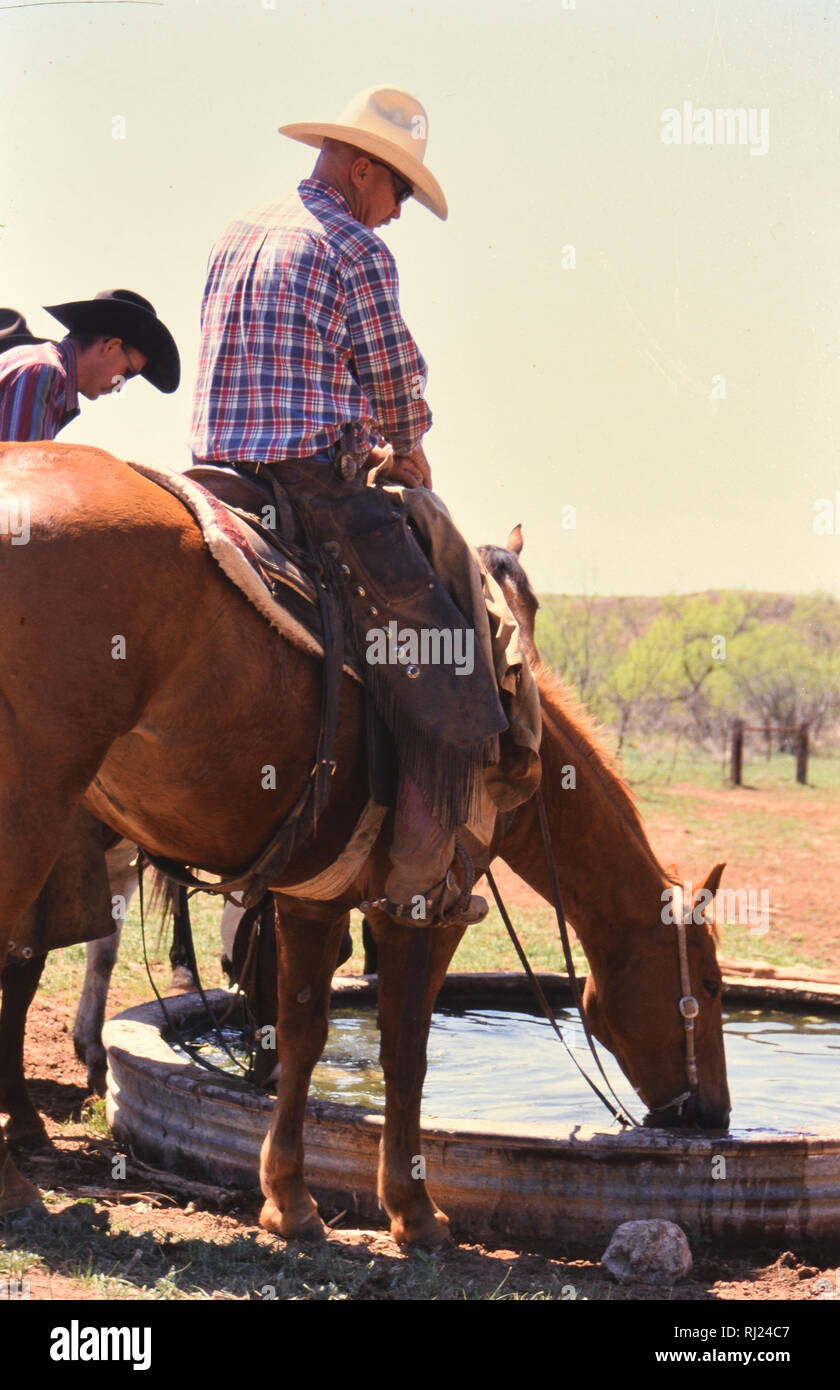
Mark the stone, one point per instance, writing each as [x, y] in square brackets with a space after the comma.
[650, 1252]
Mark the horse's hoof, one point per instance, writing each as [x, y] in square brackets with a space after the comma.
[16, 1191]
[97, 1080]
[182, 981]
[307, 1227]
[27, 1132]
[432, 1233]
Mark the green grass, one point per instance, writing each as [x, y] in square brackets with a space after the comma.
[775, 948]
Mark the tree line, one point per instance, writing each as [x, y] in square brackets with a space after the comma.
[689, 665]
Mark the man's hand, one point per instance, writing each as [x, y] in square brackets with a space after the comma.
[412, 470]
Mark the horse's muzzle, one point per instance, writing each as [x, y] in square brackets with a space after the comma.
[690, 1114]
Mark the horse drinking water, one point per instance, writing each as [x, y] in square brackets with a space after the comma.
[135, 679]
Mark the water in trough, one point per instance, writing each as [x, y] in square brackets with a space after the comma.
[506, 1067]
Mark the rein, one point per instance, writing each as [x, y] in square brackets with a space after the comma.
[621, 1113]
[688, 1006]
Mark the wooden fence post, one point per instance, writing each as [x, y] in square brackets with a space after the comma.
[737, 751]
[802, 755]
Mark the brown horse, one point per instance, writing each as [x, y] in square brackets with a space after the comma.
[20, 979]
[134, 679]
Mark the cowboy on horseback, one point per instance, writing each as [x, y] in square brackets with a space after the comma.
[308, 374]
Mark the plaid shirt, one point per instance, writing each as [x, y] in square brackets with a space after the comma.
[38, 391]
[302, 340]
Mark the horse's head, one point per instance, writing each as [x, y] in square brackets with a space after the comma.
[643, 1010]
[508, 573]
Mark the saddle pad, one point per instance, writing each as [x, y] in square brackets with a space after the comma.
[295, 616]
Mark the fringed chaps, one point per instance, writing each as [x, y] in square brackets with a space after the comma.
[423, 667]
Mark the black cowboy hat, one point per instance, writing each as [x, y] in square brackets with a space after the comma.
[14, 331]
[124, 314]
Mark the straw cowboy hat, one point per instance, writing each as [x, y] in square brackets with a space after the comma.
[124, 314]
[391, 125]
[14, 331]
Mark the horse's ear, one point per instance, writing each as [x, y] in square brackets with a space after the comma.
[514, 540]
[713, 881]
[709, 887]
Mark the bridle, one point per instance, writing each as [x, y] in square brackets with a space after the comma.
[689, 1009]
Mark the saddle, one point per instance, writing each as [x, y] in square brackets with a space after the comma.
[268, 537]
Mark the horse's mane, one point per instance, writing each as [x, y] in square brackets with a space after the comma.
[587, 738]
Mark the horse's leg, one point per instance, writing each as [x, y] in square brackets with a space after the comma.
[43, 772]
[307, 952]
[90, 1015]
[413, 962]
[28, 847]
[262, 990]
[101, 959]
[181, 952]
[369, 944]
[19, 983]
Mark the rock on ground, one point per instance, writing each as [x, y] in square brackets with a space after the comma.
[652, 1252]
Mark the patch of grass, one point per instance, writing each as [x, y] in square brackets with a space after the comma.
[776, 948]
[93, 1119]
[14, 1264]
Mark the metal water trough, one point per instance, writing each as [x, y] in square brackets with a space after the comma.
[494, 1183]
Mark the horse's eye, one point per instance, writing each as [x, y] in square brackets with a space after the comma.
[712, 988]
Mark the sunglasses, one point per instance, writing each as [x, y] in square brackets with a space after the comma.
[132, 370]
[402, 190]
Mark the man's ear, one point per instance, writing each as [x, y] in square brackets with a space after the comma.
[360, 170]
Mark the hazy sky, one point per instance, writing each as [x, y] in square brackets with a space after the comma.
[697, 268]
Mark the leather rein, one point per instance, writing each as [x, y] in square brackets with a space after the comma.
[688, 1006]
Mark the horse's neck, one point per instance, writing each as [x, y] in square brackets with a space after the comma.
[609, 877]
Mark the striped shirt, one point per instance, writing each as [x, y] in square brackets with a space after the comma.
[38, 390]
[302, 340]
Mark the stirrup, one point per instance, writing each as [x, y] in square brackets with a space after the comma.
[446, 903]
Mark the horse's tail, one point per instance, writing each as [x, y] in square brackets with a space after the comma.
[162, 897]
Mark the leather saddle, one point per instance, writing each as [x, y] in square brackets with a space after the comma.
[275, 541]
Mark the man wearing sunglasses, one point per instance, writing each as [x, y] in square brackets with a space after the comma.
[112, 338]
[307, 372]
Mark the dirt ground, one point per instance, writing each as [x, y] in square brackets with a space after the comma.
[162, 1207]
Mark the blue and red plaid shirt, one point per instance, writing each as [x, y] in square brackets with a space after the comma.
[302, 340]
[38, 390]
